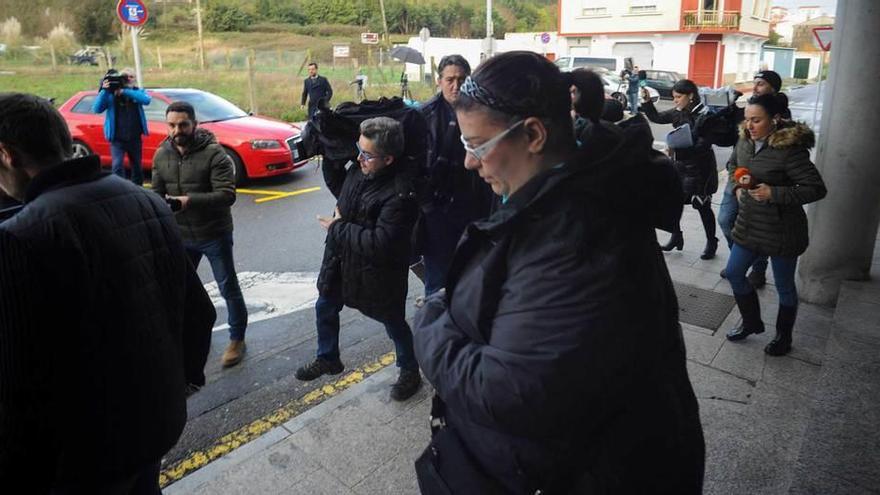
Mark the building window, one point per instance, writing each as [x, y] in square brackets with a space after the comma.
[761, 8]
[593, 11]
[642, 6]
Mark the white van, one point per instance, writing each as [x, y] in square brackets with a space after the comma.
[572, 62]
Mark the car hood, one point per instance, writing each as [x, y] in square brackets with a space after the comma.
[255, 127]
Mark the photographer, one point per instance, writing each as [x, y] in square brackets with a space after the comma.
[125, 122]
[366, 253]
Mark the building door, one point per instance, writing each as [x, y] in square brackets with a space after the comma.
[704, 61]
[641, 53]
[801, 68]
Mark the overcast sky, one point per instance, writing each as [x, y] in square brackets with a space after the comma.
[829, 6]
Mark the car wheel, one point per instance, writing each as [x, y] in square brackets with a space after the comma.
[238, 170]
[620, 98]
[80, 149]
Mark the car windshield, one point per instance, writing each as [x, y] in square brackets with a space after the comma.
[209, 107]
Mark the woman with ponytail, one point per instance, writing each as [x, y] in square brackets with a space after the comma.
[775, 178]
[695, 163]
[555, 351]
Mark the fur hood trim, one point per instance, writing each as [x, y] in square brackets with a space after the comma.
[791, 134]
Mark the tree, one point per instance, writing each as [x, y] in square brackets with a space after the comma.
[264, 9]
[94, 21]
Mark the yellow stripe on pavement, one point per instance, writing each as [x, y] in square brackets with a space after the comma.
[256, 428]
[288, 194]
[270, 195]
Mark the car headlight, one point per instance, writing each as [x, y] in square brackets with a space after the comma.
[265, 144]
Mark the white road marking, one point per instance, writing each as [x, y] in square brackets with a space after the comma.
[269, 295]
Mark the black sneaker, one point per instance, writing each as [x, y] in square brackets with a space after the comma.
[319, 367]
[407, 384]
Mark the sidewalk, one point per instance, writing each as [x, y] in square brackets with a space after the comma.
[803, 423]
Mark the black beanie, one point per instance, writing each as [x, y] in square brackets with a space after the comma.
[772, 79]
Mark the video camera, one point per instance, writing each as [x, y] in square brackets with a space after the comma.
[115, 79]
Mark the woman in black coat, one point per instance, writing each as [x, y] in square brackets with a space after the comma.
[695, 164]
[773, 153]
[555, 351]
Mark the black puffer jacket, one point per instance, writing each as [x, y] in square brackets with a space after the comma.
[777, 227]
[696, 166]
[205, 174]
[103, 321]
[366, 253]
[557, 348]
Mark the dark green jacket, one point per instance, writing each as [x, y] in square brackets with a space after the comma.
[205, 174]
[777, 227]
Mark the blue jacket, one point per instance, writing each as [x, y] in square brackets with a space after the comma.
[104, 101]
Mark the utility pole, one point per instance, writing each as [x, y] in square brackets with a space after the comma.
[201, 40]
[384, 19]
[490, 29]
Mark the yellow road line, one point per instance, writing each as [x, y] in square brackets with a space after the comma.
[258, 427]
[270, 195]
[287, 194]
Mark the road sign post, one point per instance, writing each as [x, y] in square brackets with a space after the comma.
[133, 13]
[822, 40]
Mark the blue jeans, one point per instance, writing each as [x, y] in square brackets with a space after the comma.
[727, 218]
[219, 254]
[327, 310]
[633, 100]
[783, 273]
[134, 150]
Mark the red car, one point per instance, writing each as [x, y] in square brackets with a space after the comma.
[258, 146]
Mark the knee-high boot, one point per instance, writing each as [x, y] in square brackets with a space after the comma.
[750, 309]
[781, 344]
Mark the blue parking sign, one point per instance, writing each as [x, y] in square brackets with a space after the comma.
[132, 12]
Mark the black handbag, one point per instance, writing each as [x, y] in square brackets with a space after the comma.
[447, 466]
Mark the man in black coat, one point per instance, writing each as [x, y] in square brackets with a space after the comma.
[366, 255]
[316, 88]
[104, 326]
[451, 196]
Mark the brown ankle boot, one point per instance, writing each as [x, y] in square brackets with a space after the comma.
[234, 353]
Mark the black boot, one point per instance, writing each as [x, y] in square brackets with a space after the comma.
[711, 247]
[750, 309]
[757, 279]
[781, 344]
[675, 242]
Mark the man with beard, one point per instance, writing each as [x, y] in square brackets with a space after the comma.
[195, 176]
[451, 196]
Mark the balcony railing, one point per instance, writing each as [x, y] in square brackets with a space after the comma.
[710, 19]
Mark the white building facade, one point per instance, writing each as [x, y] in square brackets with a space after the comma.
[712, 42]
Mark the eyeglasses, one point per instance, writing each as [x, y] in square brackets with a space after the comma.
[366, 155]
[484, 149]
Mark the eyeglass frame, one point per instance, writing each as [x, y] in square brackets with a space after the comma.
[366, 154]
[484, 149]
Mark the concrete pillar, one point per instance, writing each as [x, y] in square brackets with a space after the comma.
[843, 226]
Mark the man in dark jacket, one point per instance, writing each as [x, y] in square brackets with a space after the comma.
[104, 326]
[451, 196]
[367, 252]
[195, 175]
[125, 122]
[316, 88]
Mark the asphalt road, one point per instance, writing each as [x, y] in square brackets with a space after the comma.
[278, 251]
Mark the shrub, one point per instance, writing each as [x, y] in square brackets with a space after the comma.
[225, 18]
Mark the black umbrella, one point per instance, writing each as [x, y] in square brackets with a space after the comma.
[407, 55]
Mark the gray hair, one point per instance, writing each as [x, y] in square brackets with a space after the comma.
[386, 135]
